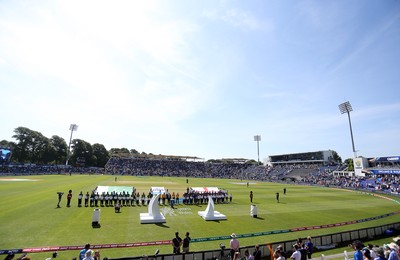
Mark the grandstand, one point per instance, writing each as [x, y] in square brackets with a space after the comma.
[299, 165]
[319, 158]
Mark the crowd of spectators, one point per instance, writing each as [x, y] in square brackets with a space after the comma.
[183, 168]
[172, 167]
[389, 183]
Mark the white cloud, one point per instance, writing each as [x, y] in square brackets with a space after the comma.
[239, 18]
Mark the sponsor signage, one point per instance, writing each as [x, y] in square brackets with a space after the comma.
[382, 171]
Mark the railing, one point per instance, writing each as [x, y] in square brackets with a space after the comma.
[335, 239]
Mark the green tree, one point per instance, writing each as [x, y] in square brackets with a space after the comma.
[119, 152]
[5, 143]
[133, 151]
[60, 148]
[336, 157]
[31, 146]
[82, 153]
[350, 164]
[101, 155]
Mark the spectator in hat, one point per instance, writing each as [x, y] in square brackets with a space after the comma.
[278, 254]
[234, 245]
[282, 252]
[380, 255]
[386, 250]
[393, 251]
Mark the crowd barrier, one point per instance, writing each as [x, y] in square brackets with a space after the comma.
[324, 241]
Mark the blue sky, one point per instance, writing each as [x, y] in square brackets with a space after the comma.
[201, 78]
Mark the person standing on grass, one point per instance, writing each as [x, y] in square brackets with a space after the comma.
[251, 196]
[186, 242]
[277, 197]
[59, 198]
[80, 196]
[176, 243]
[69, 197]
[87, 199]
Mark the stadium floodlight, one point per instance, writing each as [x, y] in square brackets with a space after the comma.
[346, 108]
[72, 128]
[257, 138]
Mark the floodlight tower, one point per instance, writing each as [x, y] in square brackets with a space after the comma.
[346, 108]
[72, 127]
[257, 138]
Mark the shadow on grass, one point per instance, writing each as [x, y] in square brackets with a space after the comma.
[216, 221]
[162, 225]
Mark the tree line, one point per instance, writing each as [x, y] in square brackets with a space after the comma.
[33, 147]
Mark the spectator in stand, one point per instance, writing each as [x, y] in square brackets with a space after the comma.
[88, 255]
[371, 251]
[234, 245]
[380, 255]
[358, 246]
[367, 254]
[302, 249]
[97, 255]
[386, 249]
[309, 247]
[82, 253]
[257, 253]
[10, 256]
[283, 253]
[296, 255]
[278, 255]
[247, 255]
[394, 248]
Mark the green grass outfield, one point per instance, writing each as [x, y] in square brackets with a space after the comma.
[29, 217]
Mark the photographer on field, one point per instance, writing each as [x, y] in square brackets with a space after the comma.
[60, 194]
